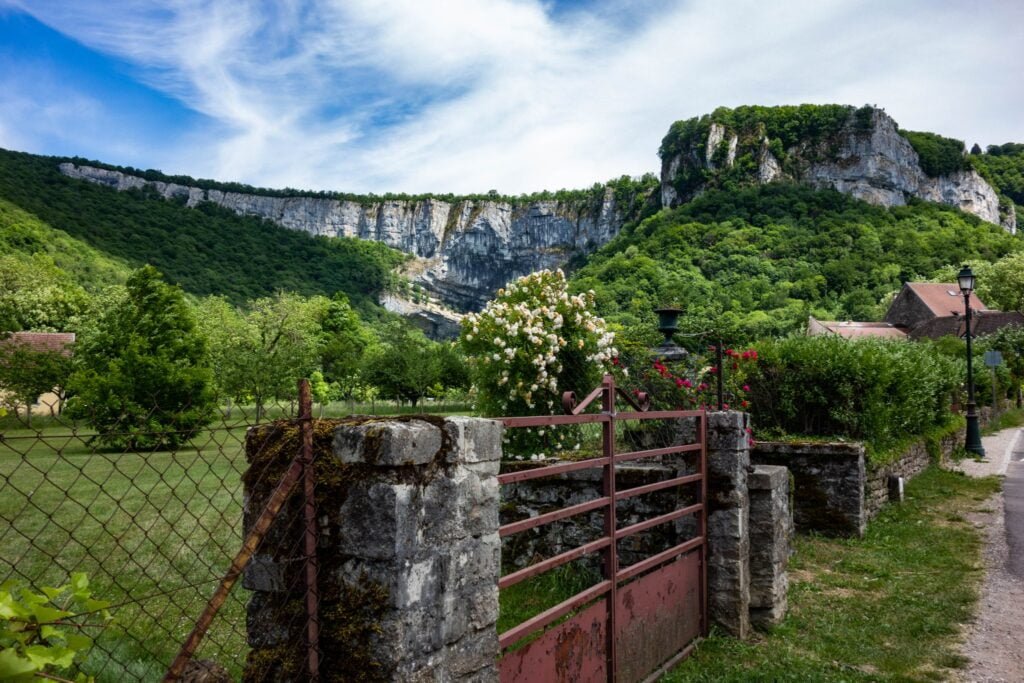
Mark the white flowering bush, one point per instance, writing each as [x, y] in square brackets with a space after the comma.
[533, 342]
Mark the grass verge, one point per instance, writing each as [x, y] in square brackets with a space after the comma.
[887, 607]
[1007, 419]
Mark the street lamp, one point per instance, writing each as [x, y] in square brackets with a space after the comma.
[973, 445]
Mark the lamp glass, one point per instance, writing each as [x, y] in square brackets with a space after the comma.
[966, 280]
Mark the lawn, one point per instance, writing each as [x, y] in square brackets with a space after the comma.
[888, 607]
[154, 531]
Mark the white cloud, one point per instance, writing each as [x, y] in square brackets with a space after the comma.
[481, 94]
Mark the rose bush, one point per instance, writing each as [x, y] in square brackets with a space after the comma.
[530, 344]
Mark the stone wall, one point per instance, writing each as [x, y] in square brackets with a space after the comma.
[537, 496]
[408, 553]
[837, 491]
[913, 462]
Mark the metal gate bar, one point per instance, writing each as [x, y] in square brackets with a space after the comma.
[605, 593]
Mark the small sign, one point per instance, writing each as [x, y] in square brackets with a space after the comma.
[993, 359]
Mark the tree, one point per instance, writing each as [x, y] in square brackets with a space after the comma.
[406, 368]
[345, 340]
[1002, 286]
[1010, 342]
[37, 295]
[226, 333]
[142, 377]
[26, 373]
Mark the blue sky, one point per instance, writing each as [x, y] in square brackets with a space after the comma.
[472, 95]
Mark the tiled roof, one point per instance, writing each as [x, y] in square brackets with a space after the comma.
[982, 323]
[944, 299]
[854, 329]
[43, 341]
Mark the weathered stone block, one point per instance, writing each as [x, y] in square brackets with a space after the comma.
[409, 556]
[388, 444]
[770, 541]
[727, 431]
[474, 440]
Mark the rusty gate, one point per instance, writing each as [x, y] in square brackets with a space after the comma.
[640, 619]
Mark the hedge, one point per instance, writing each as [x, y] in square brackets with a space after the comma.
[872, 390]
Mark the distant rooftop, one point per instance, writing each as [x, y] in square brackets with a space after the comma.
[43, 341]
[943, 298]
[853, 330]
[983, 322]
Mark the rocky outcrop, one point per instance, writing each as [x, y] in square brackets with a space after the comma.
[468, 249]
[874, 163]
[436, 321]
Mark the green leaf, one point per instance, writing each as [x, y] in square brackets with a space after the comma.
[54, 593]
[10, 608]
[45, 614]
[49, 632]
[80, 584]
[14, 667]
[93, 605]
[43, 656]
[78, 642]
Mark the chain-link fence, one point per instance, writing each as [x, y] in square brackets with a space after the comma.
[154, 529]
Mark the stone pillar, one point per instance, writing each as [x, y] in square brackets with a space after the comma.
[409, 554]
[728, 521]
[770, 544]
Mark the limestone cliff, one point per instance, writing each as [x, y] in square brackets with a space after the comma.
[863, 154]
[466, 249]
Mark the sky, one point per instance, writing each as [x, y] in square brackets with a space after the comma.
[467, 96]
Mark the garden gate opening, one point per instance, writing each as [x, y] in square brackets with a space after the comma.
[637, 620]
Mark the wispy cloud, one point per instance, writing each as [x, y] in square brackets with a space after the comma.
[516, 95]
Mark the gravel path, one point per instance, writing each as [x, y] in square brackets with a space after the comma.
[995, 641]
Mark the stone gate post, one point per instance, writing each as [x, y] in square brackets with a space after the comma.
[408, 552]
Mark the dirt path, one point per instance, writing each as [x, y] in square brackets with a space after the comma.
[995, 641]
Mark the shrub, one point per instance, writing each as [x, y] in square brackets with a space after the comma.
[530, 344]
[873, 390]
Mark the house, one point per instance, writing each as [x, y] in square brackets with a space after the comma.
[49, 403]
[924, 310]
[921, 302]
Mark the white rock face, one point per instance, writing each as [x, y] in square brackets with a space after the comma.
[768, 168]
[880, 168]
[715, 137]
[469, 249]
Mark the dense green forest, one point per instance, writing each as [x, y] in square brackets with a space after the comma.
[207, 250]
[1003, 166]
[26, 240]
[759, 260]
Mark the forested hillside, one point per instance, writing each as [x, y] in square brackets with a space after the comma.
[1003, 166]
[207, 250]
[759, 260]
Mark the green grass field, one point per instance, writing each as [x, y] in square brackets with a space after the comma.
[154, 531]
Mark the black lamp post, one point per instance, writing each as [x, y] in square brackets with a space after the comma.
[668, 325]
[973, 445]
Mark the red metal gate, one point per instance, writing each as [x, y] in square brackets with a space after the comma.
[641, 619]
